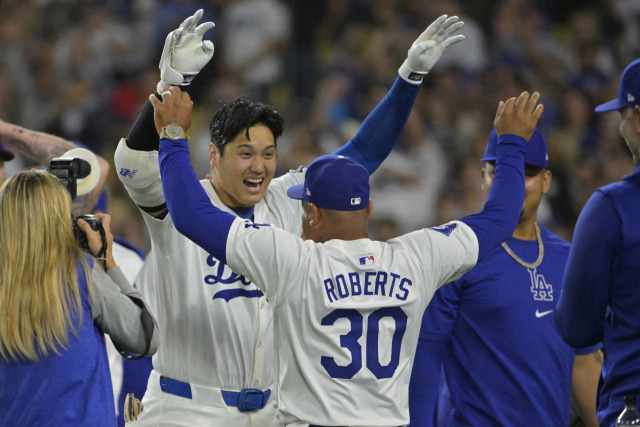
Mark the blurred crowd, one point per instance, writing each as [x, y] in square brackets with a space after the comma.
[82, 69]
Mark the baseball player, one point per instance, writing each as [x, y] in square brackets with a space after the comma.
[601, 295]
[215, 365]
[347, 310]
[493, 330]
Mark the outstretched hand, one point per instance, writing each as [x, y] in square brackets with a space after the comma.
[185, 53]
[176, 107]
[518, 116]
[428, 48]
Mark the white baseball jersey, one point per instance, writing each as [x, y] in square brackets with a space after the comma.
[347, 315]
[216, 325]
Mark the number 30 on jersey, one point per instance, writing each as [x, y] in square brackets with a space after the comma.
[350, 342]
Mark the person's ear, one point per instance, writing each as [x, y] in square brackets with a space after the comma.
[546, 183]
[315, 217]
[214, 155]
[369, 209]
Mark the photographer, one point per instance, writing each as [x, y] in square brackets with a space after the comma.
[55, 304]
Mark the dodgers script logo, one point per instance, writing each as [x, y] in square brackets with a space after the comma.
[541, 290]
[225, 276]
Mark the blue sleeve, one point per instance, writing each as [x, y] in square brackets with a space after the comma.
[191, 209]
[382, 127]
[497, 221]
[437, 325]
[424, 385]
[580, 314]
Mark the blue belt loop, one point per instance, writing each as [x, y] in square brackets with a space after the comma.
[249, 399]
[176, 387]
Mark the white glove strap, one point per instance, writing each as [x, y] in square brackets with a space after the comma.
[409, 75]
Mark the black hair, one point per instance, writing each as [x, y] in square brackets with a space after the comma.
[239, 115]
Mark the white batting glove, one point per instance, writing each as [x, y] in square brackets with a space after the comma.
[185, 53]
[428, 48]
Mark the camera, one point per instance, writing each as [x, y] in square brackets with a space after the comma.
[81, 237]
[68, 171]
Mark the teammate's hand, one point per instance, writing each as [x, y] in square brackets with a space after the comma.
[519, 116]
[428, 48]
[176, 107]
[185, 53]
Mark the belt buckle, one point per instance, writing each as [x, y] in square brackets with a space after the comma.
[251, 399]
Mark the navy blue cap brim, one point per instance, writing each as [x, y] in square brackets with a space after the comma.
[609, 106]
[296, 192]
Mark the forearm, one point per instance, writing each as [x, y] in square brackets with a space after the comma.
[381, 129]
[499, 217]
[41, 147]
[117, 309]
[584, 386]
[143, 135]
[580, 313]
[38, 146]
[191, 209]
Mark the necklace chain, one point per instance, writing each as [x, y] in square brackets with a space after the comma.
[520, 261]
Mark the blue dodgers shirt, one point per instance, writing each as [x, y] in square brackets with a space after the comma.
[601, 296]
[70, 389]
[505, 361]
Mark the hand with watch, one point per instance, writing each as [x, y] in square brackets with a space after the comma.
[172, 114]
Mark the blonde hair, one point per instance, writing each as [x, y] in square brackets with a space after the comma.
[39, 294]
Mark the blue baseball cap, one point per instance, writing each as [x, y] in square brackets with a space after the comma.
[334, 182]
[536, 154]
[5, 154]
[628, 92]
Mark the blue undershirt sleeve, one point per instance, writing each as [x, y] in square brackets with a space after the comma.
[424, 383]
[381, 129]
[191, 209]
[438, 322]
[497, 221]
[581, 309]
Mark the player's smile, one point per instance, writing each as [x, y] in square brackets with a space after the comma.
[253, 183]
[243, 172]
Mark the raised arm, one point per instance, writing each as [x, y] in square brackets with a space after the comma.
[515, 122]
[42, 147]
[381, 129]
[191, 209]
[184, 55]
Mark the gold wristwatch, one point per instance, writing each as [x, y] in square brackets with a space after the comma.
[173, 131]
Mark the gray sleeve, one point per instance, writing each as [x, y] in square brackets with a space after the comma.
[114, 311]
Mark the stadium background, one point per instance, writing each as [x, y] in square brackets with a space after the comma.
[82, 69]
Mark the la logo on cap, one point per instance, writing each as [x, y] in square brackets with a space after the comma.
[630, 98]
